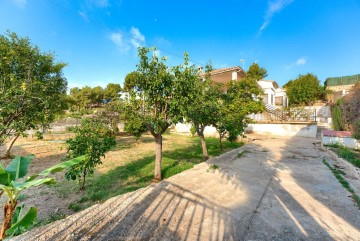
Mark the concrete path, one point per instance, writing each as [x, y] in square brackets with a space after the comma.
[278, 189]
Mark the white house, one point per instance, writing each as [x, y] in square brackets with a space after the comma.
[273, 95]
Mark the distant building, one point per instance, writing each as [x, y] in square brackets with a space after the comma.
[337, 87]
[273, 95]
[225, 75]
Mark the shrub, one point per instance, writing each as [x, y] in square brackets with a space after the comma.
[337, 120]
[92, 139]
[356, 127]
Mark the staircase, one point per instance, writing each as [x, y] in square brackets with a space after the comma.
[321, 127]
[276, 114]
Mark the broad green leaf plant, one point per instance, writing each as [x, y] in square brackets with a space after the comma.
[13, 182]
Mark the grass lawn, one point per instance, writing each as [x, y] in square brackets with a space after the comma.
[130, 166]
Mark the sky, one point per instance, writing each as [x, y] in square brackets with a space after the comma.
[98, 39]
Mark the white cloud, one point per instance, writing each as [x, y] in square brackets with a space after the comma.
[137, 38]
[121, 43]
[301, 61]
[84, 16]
[298, 62]
[20, 3]
[125, 41]
[274, 6]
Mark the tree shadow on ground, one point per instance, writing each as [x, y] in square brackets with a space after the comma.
[272, 191]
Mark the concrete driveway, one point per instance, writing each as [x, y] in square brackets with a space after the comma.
[277, 189]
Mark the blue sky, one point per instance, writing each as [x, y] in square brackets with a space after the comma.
[98, 38]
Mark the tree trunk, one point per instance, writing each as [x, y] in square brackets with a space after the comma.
[158, 158]
[203, 145]
[221, 145]
[9, 209]
[82, 187]
[8, 151]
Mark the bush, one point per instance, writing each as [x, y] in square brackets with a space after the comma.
[337, 119]
[92, 139]
[356, 127]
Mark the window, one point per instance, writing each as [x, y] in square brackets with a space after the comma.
[234, 75]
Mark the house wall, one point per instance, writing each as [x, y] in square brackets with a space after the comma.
[225, 77]
[284, 129]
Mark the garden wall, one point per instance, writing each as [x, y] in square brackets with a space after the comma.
[329, 137]
[278, 129]
[302, 129]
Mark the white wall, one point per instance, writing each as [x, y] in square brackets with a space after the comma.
[184, 128]
[344, 141]
[304, 130]
[292, 129]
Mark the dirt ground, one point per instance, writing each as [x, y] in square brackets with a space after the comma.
[271, 189]
[53, 201]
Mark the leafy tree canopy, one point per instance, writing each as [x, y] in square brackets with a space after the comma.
[32, 86]
[157, 97]
[304, 90]
[256, 72]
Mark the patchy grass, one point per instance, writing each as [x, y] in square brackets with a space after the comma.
[136, 169]
[352, 156]
[339, 174]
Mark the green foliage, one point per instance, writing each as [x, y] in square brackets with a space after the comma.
[338, 123]
[356, 126]
[242, 98]
[192, 130]
[131, 80]
[138, 172]
[92, 139]
[347, 154]
[19, 226]
[32, 87]
[157, 96]
[256, 72]
[304, 90]
[75, 206]
[12, 188]
[339, 175]
[39, 135]
[350, 111]
[112, 92]
[203, 106]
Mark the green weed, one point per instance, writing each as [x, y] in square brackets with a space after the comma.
[339, 175]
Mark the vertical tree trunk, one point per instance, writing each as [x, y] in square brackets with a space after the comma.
[158, 158]
[203, 145]
[221, 145]
[82, 187]
[9, 209]
[8, 151]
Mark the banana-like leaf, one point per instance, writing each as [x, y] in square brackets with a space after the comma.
[18, 167]
[57, 168]
[2, 170]
[24, 223]
[5, 178]
[17, 214]
[23, 185]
